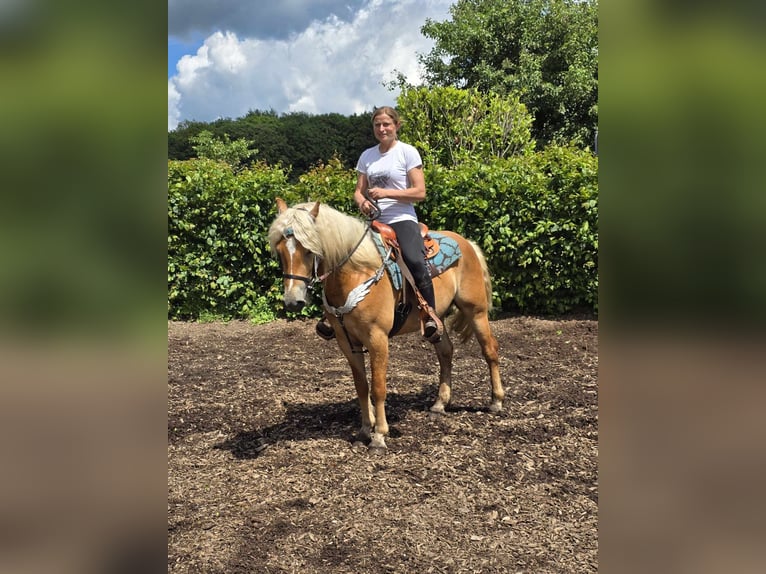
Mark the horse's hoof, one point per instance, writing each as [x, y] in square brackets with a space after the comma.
[376, 450]
[496, 407]
[438, 409]
[377, 444]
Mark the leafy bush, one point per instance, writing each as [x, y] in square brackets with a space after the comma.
[536, 218]
[330, 183]
[451, 126]
[218, 255]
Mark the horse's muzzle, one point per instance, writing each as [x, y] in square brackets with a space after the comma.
[295, 298]
[294, 305]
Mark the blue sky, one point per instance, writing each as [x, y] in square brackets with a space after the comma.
[178, 48]
[228, 57]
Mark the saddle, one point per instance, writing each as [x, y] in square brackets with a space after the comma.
[388, 235]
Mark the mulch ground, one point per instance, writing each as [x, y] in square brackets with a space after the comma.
[264, 475]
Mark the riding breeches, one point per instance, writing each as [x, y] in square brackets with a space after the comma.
[414, 255]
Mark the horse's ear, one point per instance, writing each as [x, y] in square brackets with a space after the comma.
[281, 205]
[315, 210]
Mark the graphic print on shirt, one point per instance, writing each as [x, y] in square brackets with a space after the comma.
[378, 180]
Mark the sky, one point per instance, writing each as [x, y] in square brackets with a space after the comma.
[228, 57]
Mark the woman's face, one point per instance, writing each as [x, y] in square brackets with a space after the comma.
[384, 127]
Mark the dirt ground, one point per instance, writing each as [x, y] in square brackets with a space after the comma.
[264, 475]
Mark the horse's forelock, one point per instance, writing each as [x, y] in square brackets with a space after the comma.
[301, 225]
[331, 236]
[305, 231]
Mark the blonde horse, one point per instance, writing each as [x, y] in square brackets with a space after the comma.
[317, 243]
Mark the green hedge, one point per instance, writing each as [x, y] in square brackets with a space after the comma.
[535, 216]
[219, 263]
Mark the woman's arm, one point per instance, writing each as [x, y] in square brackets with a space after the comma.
[361, 187]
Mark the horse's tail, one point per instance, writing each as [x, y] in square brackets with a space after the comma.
[460, 323]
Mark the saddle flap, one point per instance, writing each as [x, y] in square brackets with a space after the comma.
[386, 232]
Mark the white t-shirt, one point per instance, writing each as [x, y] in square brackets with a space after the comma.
[389, 171]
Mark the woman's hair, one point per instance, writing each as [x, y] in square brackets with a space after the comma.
[389, 111]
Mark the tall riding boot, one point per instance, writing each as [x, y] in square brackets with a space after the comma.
[427, 291]
[432, 326]
[324, 329]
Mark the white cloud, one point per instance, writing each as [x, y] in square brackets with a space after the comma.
[331, 66]
[174, 99]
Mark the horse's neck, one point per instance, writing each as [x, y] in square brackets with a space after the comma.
[354, 239]
[346, 275]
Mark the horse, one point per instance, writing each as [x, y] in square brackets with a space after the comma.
[316, 243]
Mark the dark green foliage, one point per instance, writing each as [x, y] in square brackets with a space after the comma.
[297, 141]
[180, 146]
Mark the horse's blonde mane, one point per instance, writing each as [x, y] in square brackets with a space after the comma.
[332, 236]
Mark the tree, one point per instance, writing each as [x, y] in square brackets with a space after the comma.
[179, 140]
[546, 51]
[233, 153]
[297, 141]
[451, 126]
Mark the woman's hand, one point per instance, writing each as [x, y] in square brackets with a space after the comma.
[377, 193]
[370, 209]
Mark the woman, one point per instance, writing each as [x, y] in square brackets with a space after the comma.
[391, 175]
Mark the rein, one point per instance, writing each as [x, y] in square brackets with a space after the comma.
[346, 258]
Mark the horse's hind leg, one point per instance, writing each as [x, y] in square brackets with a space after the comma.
[444, 351]
[489, 349]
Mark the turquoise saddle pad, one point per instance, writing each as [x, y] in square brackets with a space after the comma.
[449, 253]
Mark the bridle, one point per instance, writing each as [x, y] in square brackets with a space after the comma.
[311, 281]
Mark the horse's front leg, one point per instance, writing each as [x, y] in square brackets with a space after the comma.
[378, 349]
[356, 362]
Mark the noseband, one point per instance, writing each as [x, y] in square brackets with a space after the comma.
[309, 281]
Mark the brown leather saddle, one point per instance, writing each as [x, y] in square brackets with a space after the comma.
[388, 235]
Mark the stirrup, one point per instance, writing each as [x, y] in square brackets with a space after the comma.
[432, 328]
[325, 331]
